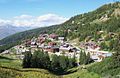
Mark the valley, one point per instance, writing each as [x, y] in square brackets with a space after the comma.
[85, 46]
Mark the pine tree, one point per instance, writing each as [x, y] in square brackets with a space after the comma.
[46, 60]
[88, 59]
[40, 59]
[70, 63]
[81, 57]
[74, 60]
[27, 60]
[63, 63]
[34, 60]
[116, 56]
[84, 58]
[55, 65]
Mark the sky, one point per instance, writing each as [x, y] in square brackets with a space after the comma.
[44, 12]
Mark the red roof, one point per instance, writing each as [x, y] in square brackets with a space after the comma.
[51, 43]
[53, 35]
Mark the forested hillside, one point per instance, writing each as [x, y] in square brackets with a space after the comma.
[103, 23]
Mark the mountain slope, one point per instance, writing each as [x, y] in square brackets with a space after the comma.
[105, 19]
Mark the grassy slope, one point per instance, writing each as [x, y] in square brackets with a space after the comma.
[10, 68]
[82, 74]
[26, 73]
[104, 69]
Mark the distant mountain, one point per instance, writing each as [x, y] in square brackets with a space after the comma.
[7, 30]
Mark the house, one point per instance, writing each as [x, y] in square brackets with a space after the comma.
[27, 43]
[40, 40]
[20, 49]
[67, 48]
[33, 44]
[61, 39]
[97, 58]
[52, 44]
[53, 36]
[51, 49]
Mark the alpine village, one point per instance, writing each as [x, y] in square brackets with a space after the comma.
[85, 46]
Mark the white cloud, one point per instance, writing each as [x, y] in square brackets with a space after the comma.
[23, 17]
[4, 22]
[32, 21]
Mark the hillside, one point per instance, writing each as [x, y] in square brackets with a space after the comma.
[12, 68]
[103, 23]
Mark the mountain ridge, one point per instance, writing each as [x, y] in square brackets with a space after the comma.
[7, 30]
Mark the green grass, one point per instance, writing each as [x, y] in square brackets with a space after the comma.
[83, 73]
[12, 68]
[104, 68]
[9, 62]
[26, 73]
[80, 72]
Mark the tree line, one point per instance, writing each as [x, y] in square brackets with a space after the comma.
[40, 59]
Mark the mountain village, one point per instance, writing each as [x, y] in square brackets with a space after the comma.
[54, 44]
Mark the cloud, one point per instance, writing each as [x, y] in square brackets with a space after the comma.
[23, 17]
[4, 22]
[32, 21]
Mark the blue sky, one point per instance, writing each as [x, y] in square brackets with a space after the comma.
[66, 8]
[38, 13]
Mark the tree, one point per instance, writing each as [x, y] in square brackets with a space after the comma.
[70, 63]
[63, 62]
[81, 57]
[116, 55]
[40, 59]
[27, 60]
[55, 65]
[88, 59]
[46, 60]
[35, 60]
[84, 58]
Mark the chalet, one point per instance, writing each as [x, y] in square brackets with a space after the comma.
[27, 43]
[20, 49]
[97, 55]
[52, 44]
[40, 40]
[53, 36]
[41, 45]
[51, 47]
[33, 45]
[98, 58]
[67, 48]
[61, 39]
